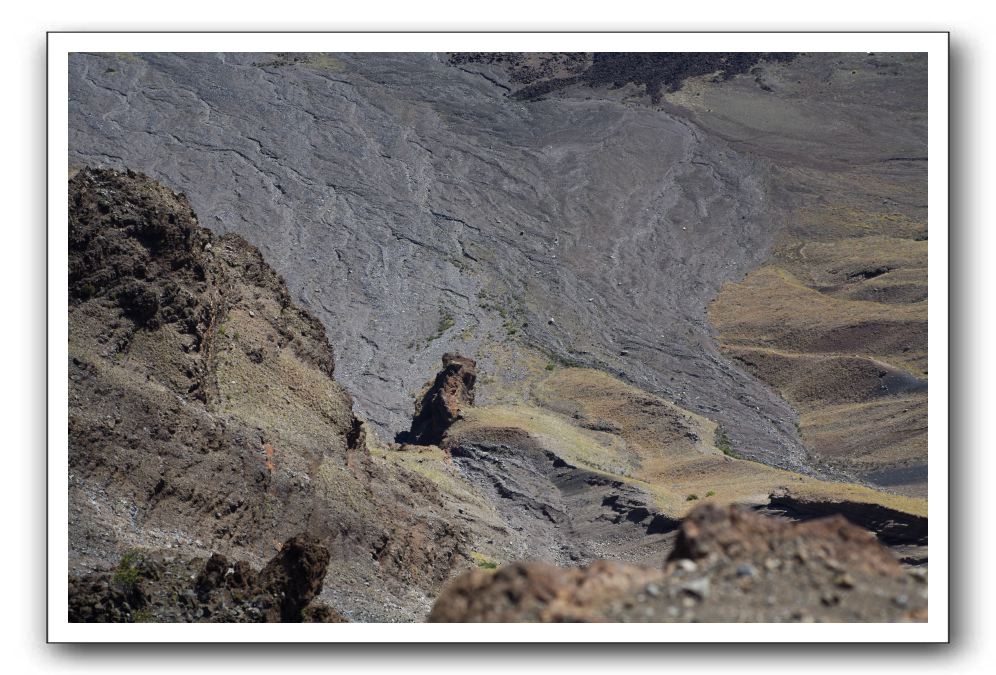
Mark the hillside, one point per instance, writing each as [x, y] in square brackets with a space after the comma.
[521, 307]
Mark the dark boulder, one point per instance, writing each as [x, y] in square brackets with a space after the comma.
[293, 578]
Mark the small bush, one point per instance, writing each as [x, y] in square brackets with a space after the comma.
[550, 366]
[691, 498]
[483, 561]
[126, 574]
[711, 493]
[723, 443]
[445, 323]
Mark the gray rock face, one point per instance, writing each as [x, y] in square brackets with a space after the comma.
[404, 200]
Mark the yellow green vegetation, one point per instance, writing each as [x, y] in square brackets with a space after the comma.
[773, 308]
[825, 319]
[322, 61]
[434, 464]
[652, 443]
[126, 574]
[483, 561]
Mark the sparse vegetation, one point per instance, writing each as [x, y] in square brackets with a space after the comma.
[143, 616]
[446, 322]
[483, 561]
[723, 443]
[126, 574]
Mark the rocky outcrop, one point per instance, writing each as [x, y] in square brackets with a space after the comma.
[204, 418]
[539, 592]
[729, 564]
[441, 400]
[293, 578]
[738, 535]
[543, 74]
[147, 586]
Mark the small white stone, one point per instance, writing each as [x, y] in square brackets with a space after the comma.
[687, 565]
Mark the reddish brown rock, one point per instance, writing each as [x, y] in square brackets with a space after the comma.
[441, 400]
[293, 578]
[539, 592]
[730, 564]
[711, 532]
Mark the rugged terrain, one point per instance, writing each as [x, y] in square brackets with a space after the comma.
[728, 565]
[651, 283]
[204, 416]
[154, 587]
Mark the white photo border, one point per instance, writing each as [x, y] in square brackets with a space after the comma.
[61, 44]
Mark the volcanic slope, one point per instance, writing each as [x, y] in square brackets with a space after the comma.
[415, 208]
[204, 418]
[836, 318]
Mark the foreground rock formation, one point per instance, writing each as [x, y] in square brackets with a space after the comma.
[151, 587]
[204, 416]
[727, 565]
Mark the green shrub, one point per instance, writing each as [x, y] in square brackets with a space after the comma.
[445, 323]
[483, 561]
[723, 443]
[126, 574]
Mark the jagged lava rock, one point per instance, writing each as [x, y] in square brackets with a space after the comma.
[150, 587]
[729, 564]
[204, 415]
[441, 400]
[539, 592]
[294, 576]
[711, 532]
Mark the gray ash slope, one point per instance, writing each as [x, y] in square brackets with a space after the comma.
[403, 199]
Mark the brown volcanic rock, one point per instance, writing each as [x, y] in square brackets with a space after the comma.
[442, 399]
[204, 416]
[732, 533]
[294, 576]
[729, 564]
[539, 592]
